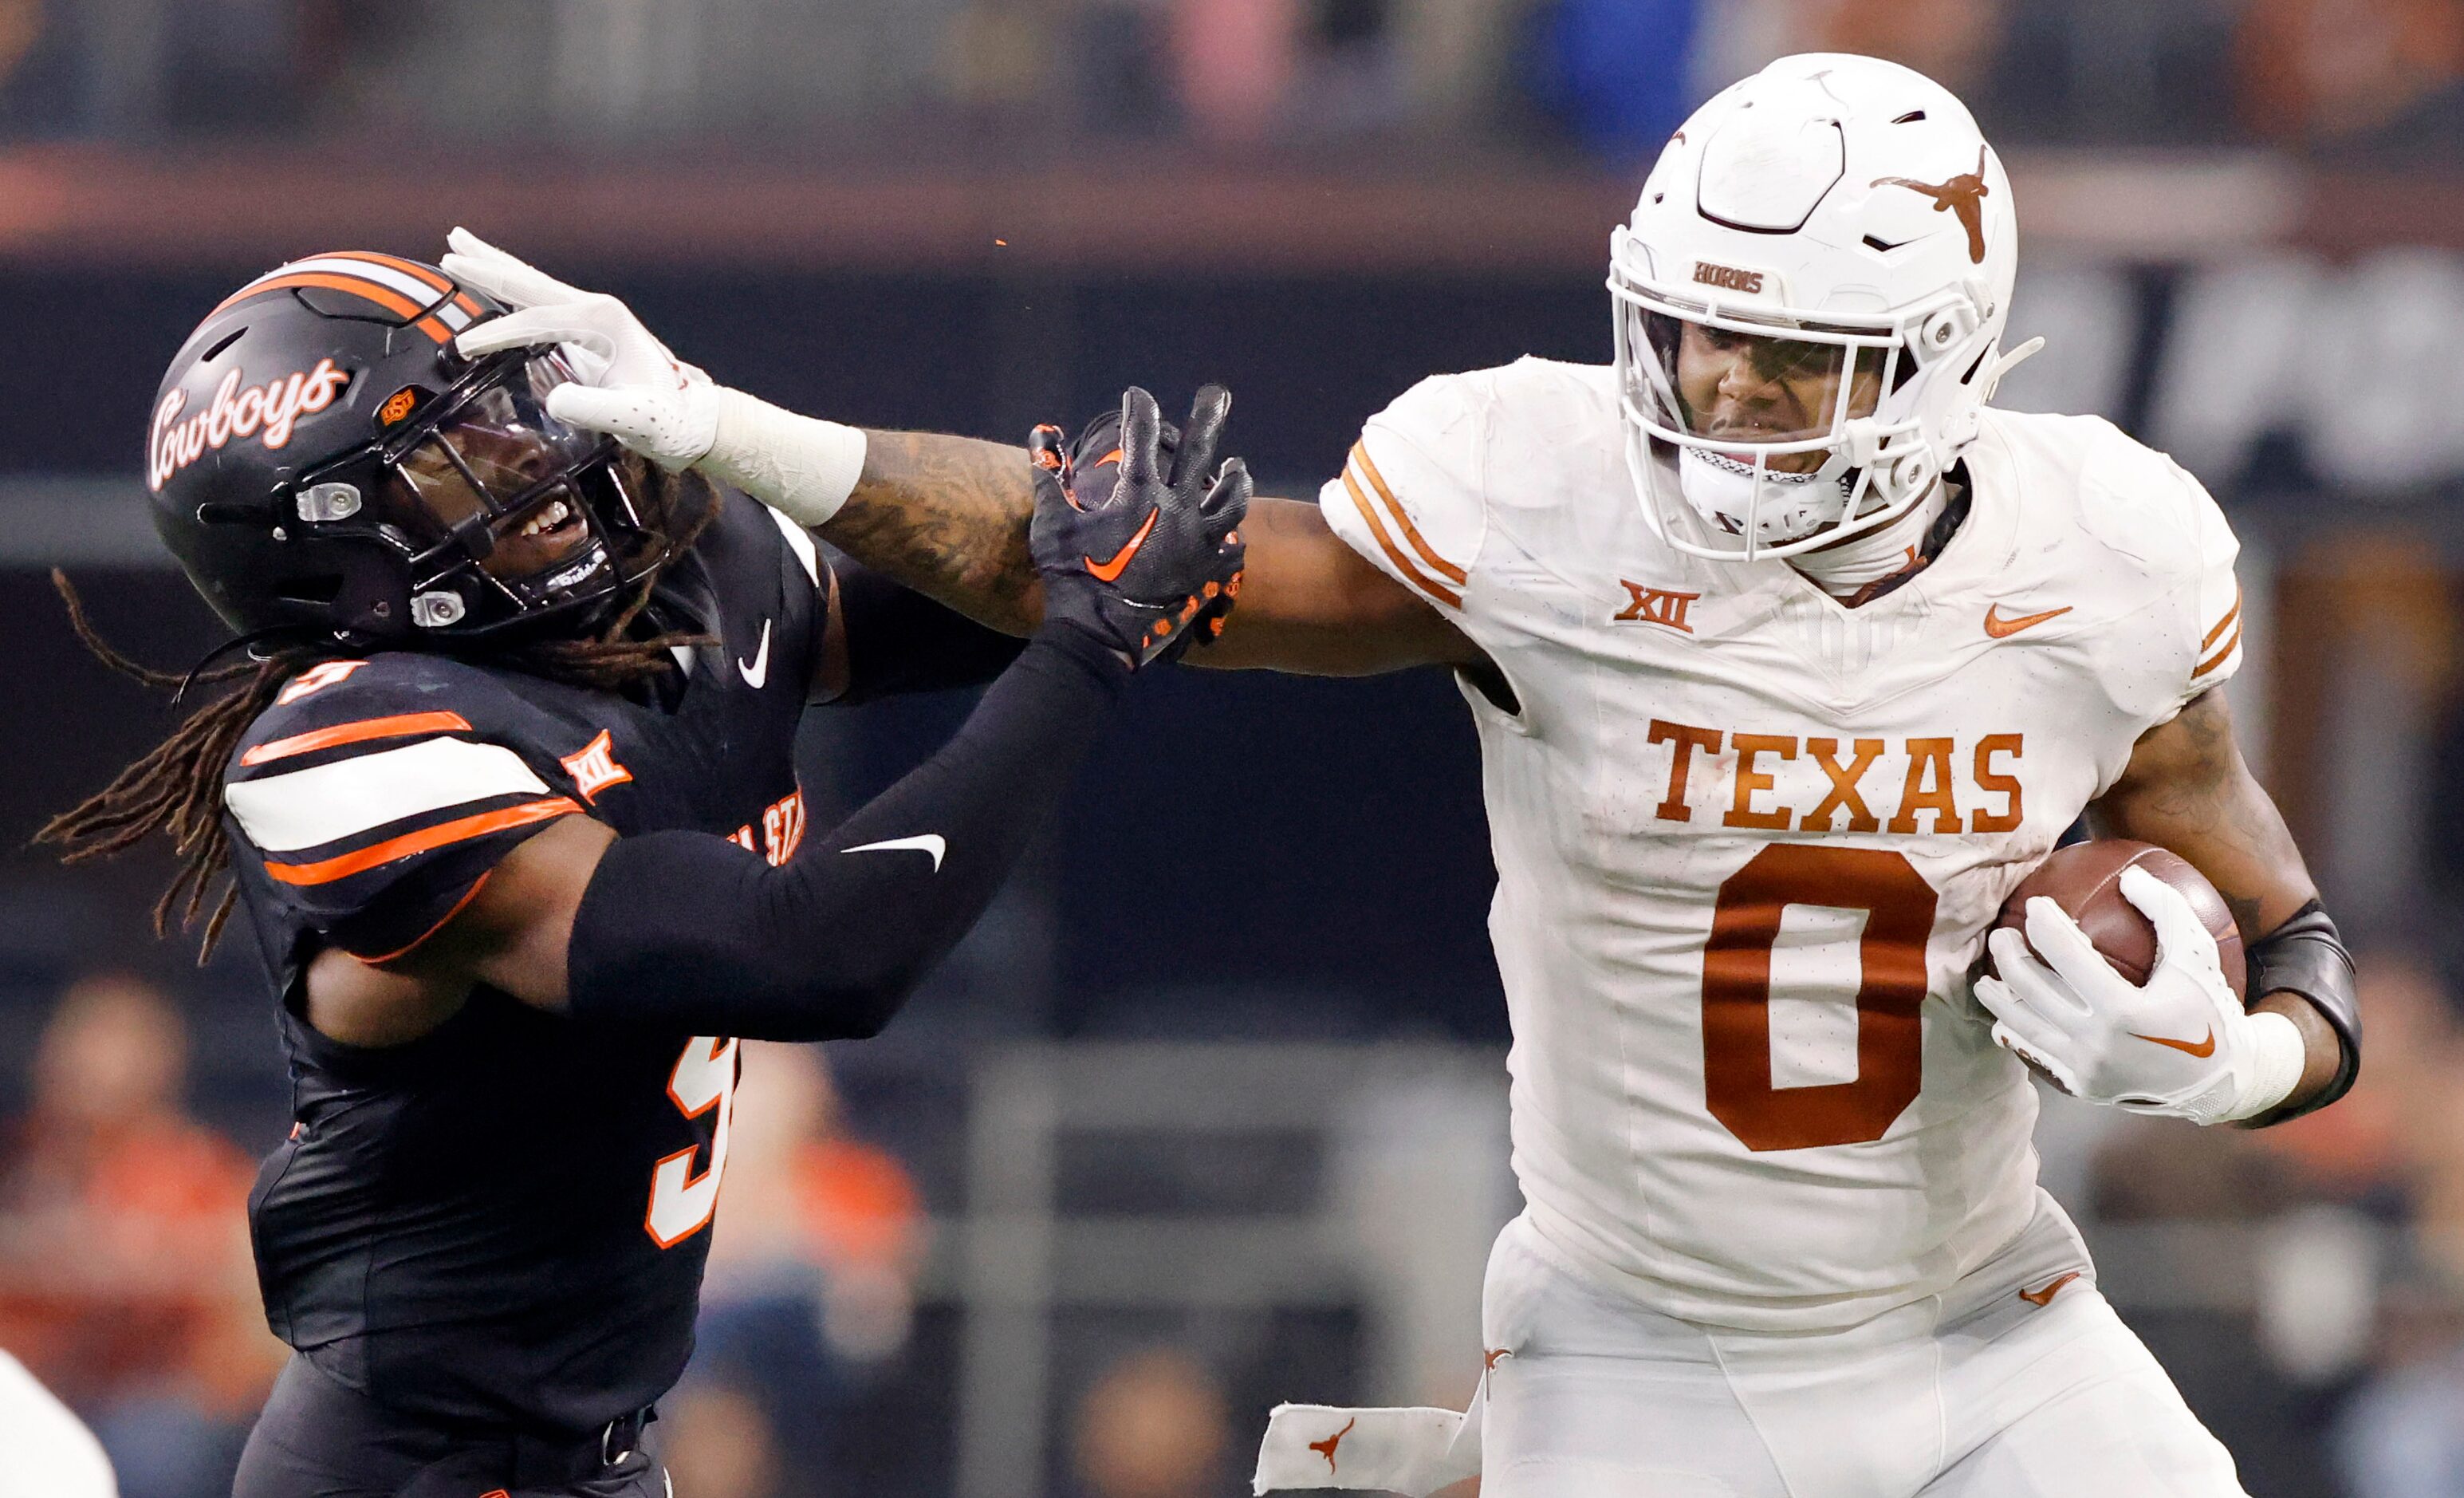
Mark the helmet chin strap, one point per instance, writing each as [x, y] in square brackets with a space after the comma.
[1862, 561]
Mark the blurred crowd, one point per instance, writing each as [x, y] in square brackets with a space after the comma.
[2379, 80]
[125, 1280]
[128, 1288]
[2305, 1285]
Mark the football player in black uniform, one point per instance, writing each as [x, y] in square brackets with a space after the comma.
[508, 796]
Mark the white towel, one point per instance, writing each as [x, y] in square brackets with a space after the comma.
[1409, 1451]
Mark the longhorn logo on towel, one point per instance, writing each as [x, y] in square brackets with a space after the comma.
[1326, 1447]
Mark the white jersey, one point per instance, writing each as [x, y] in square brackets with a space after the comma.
[1749, 841]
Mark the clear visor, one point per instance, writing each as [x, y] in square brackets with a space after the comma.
[1750, 392]
[497, 455]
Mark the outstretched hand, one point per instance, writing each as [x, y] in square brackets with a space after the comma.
[1136, 528]
[626, 383]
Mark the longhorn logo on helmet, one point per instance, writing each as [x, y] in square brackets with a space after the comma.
[1964, 195]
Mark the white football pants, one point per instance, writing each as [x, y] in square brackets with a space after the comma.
[1980, 1391]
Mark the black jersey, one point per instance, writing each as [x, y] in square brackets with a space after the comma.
[506, 1220]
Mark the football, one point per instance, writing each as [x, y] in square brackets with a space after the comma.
[2085, 880]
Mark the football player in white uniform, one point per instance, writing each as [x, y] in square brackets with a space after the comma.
[1790, 658]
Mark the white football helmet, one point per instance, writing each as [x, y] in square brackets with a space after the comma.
[1810, 303]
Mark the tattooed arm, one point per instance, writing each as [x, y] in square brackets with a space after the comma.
[2186, 789]
[946, 516]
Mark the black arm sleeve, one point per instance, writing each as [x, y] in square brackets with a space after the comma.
[2306, 955]
[691, 933]
[900, 641]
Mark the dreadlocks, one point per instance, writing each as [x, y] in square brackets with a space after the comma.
[175, 788]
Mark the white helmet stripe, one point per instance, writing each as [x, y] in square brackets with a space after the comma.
[409, 285]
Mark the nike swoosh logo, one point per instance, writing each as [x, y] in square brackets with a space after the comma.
[1111, 571]
[2205, 1047]
[2002, 628]
[2053, 1288]
[759, 672]
[931, 843]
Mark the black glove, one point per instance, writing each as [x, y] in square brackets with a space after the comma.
[1147, 557]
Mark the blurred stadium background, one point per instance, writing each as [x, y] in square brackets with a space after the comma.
[1129, 1172]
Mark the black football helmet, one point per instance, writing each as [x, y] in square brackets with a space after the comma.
[321, 460]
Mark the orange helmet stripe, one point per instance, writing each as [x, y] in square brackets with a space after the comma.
[410, 268]
[384, 297]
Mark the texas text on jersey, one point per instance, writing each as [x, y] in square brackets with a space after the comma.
[504, 1217]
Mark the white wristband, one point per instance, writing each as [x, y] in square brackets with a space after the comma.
[801, 465]
[2279, 1057]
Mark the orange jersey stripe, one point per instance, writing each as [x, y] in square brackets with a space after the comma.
[2231, 615]
[461, 829]
[1393, 553]
[2218, 659]
[366, 729]
[413, 944]
[1403, 518]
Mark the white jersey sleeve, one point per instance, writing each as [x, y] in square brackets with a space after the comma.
[2171, 558]
[1410, 497]
[2214, 594]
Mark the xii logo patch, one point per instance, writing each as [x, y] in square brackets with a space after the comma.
[1658, 606]
[594, 768]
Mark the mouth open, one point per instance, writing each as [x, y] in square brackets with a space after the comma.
[552, 516]
[552, 533]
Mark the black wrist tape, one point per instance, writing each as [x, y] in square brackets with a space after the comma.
[2306, 956]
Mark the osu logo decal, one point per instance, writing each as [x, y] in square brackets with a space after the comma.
[265, 411]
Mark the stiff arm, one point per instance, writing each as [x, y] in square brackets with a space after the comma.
[948, 517]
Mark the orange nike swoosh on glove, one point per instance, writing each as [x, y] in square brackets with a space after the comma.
[2204, 1047]
[1111, 571]
[2042, 1297]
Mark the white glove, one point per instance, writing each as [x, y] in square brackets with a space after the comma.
[2178, 1045]
[627, 384]
[631, 387]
